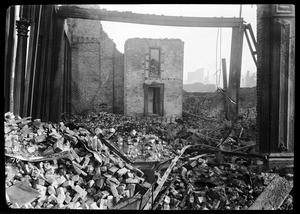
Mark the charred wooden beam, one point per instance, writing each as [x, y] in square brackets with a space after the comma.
[128, 17]
[235, 71]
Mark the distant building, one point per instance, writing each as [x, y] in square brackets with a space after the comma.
[196, 76]
[206, 79]
[250, 79]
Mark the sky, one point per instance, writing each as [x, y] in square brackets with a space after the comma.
[200, 44]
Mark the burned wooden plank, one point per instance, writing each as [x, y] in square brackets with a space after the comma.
[114, 16]
[273, 195]
[164, 178]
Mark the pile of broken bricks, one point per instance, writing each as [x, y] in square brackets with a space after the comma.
[51, 162]
[205, 182]
[51, 166]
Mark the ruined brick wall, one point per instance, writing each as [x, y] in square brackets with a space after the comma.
[118, 82]
[136, 73]
[95, 63]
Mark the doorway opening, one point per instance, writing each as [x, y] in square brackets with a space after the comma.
[153, 99]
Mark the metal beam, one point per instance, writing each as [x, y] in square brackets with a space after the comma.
[137, 18]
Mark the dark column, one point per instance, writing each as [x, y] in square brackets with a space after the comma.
[276, 82]
[9, 48]
[235, 71]
[22, 31]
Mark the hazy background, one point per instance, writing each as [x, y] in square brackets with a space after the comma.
[199, 43]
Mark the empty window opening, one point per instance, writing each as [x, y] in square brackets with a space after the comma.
[154, 68]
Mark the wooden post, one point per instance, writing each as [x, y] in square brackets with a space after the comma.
[235, 71]
[56, 91]
[22, 31]
[225, 86]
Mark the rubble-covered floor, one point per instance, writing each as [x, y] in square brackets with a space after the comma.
[68, 165]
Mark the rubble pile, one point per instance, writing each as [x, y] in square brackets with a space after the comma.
[63, 168]
[141, 140]
[213, 182]
[68, 165]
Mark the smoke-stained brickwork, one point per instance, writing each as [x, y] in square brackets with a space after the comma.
[95, 64]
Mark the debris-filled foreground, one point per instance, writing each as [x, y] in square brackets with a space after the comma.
[107, 161]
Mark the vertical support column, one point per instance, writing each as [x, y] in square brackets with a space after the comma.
[22, 32]
[146, 89]
[9, 50]
[235, 71]
[224, 69]
[276, 62]
[31, 59]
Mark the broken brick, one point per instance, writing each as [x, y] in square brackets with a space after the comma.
[131, 188]
[100, 182]
[113, 169]
[110, 201]
[79, 190]
[91, 183]
[51, 190]
[113, 181]
[104, 194]
[122, 171]
[58, 145]
[103, 168]
[94, 206]
[76, 197]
